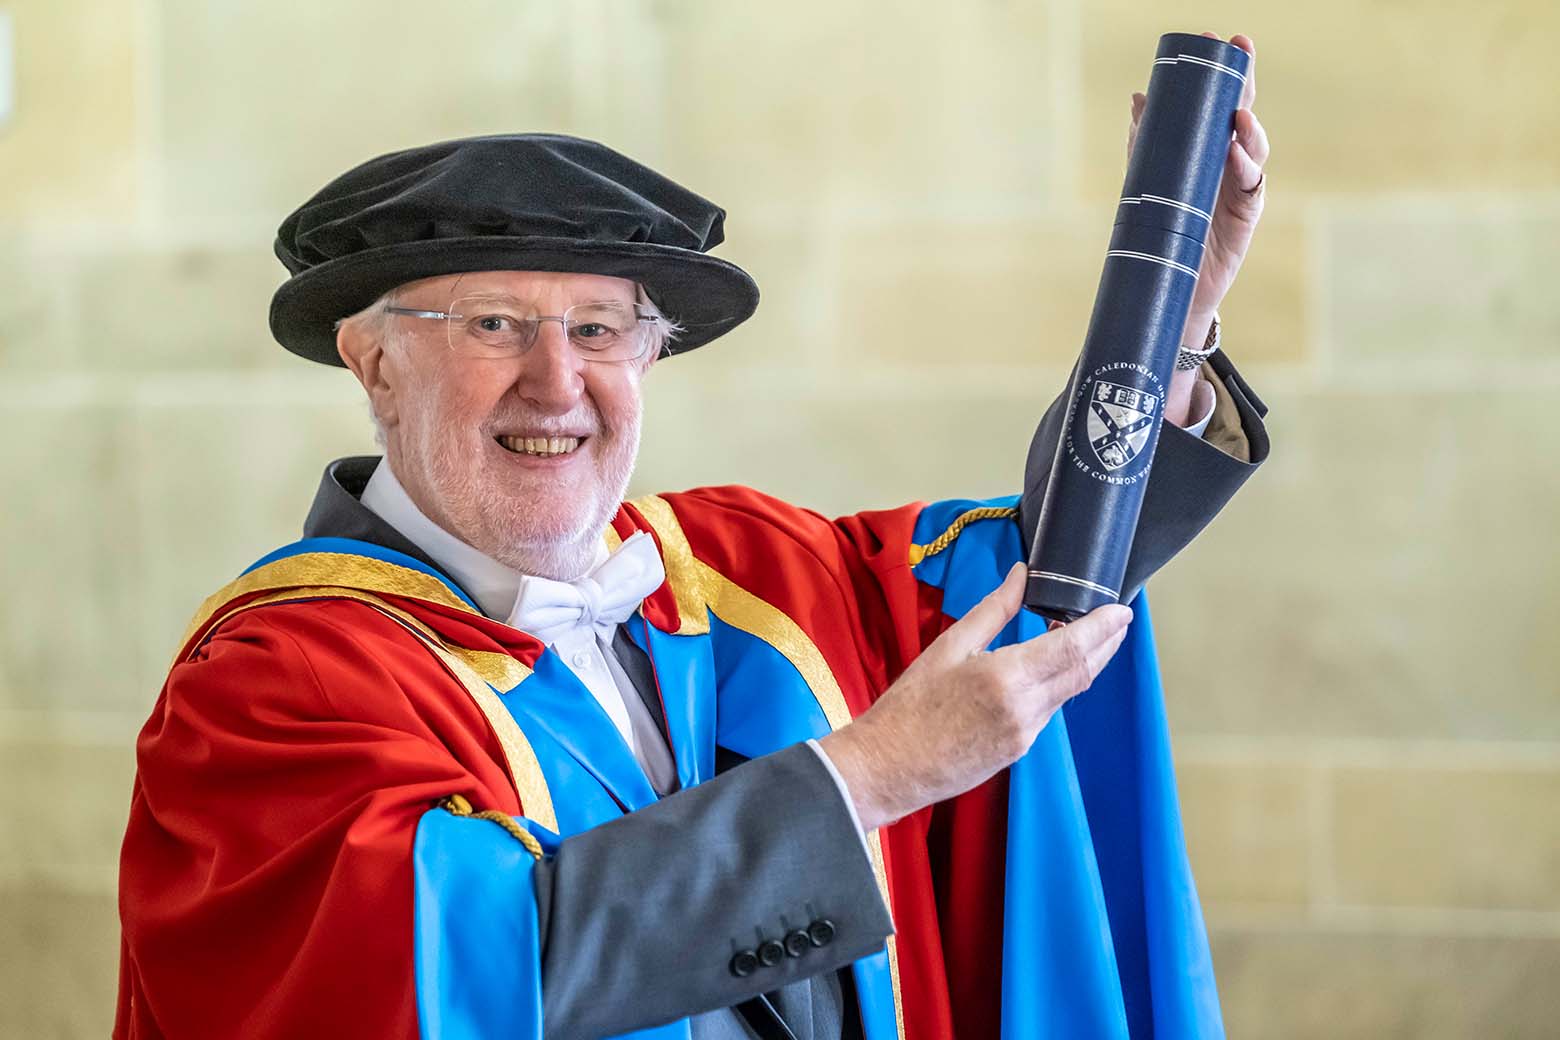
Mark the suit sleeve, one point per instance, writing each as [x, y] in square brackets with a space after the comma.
[644, 914]
[1192, 478]
[285, 873]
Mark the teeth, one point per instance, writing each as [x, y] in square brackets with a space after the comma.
[540, 445]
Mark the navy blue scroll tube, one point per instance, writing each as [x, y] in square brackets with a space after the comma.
[1116, 398]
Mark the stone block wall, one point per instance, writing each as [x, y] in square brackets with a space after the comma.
[1360, 656]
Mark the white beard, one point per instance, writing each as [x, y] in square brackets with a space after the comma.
[521, 535]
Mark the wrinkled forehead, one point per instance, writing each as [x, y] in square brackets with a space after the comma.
[527, 286]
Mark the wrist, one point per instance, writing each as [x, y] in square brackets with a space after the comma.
[850, 761]
[1178, 399]
[1198, 325]
[1192, 355]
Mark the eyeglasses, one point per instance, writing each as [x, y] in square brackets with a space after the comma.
[499, 327]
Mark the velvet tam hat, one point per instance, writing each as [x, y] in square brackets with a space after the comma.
[521, 202]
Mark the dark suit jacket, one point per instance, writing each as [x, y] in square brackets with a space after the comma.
[598, 981]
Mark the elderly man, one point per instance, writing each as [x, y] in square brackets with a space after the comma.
[492, 752]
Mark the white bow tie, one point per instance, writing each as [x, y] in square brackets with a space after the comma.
[601, 600]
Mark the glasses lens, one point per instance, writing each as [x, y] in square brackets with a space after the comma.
[605, 331]
[484, 326]
[498, 327]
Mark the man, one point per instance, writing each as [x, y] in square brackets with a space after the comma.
[493, 752]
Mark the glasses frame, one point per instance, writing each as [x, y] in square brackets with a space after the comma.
[450, 316]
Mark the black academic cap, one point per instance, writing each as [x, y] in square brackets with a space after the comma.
[522, 202]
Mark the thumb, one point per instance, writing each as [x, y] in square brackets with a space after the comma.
[971, 633]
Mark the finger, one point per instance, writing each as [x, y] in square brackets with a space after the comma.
[1244, 172]
[975, 630]
[1054, 652]
[1101, 655]
[1248, 93]
[1251, 136]
[1098, 656]
[1248, 90]
[1132, 125]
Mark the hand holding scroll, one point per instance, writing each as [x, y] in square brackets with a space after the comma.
[959, 713]
[1239, 204]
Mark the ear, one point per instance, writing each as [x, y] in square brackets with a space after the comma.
[362, 349]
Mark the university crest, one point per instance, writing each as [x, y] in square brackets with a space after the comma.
[1120, 420]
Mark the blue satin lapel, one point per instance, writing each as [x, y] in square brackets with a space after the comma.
[477, 973]
[728, 688]
[476, 942]
[555, 701]
[875, 996]
[765, 704]
[685, 672]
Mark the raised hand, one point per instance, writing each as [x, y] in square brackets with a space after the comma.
[960, 713]
[1240, 202]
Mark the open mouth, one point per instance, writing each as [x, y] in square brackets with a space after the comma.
[542, 447]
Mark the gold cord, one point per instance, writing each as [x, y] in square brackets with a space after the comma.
[942, 541]
[456, 805]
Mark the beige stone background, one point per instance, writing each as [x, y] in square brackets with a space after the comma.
[1360, 655]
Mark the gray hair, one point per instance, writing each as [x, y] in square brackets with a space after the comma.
[664, 331]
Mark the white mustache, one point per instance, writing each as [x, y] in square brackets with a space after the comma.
[553, 426]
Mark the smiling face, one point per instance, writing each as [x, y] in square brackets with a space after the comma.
[526, 457]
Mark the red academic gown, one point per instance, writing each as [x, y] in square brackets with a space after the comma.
[308, 724]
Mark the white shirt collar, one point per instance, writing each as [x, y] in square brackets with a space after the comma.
[493, 585]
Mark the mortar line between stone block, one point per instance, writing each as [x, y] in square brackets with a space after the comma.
[212, 388]
[1453, 375]
[72, 728]
[151, 162]
[585, 90]
[72, 879]
[1461, 922]
[1323, 881]
[1446, 754]
[821, 283]
[1410, 206]
[1066, 89]
[1318, 311]
[1434, 920]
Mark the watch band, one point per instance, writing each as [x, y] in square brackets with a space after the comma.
[1189, 359]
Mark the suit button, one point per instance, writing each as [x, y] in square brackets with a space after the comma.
[770, 953]
[744, 963]
[797, 943]
[821, 932]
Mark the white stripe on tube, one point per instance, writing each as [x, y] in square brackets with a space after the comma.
[1133, 255]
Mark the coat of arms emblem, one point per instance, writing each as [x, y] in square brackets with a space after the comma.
[1119, 422]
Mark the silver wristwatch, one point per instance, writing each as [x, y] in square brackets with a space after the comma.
[1189, 359]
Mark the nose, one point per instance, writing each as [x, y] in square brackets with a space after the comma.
[550, 373]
